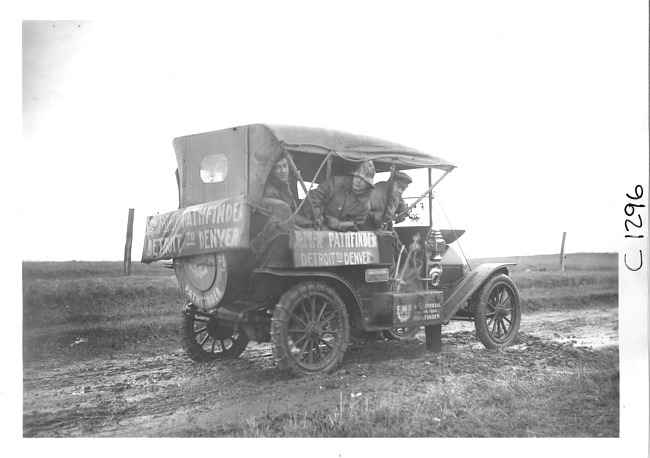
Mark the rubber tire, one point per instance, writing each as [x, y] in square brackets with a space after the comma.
[481, 311]
[391, 334]
[282, 317]
[196, 351]
[215, 290]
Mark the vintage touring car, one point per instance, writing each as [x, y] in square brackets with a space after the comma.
[309, 290]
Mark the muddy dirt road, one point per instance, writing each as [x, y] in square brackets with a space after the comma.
[163, 393]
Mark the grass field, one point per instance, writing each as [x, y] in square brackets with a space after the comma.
[69, 301]
[64, 302]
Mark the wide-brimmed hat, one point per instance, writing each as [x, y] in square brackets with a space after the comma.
[366, 171]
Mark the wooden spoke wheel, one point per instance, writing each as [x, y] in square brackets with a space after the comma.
[205, 340]
[498, 312]
[309, 329]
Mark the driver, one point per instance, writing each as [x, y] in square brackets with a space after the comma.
[342, 201]
[383, 206]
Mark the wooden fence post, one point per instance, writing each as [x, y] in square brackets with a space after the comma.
[562, 252]
[129, 243]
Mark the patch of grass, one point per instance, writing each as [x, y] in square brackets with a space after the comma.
[88, 300]
[551, 262]
[589, 280]
[103, 312]
[562, 290]
[576, 280]
[514, 402]
[82, 269]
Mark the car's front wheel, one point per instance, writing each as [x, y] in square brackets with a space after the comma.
[497, 313]
[401, 333]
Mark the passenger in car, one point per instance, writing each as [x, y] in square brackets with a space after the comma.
[280, 202]
[341, 202]
[277, 197]
[386, 203]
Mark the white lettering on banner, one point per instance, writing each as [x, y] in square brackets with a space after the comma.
[309, 239]
[208, 239]
[333, 259]
[352, 239]
[312, 239]
[221, 212]
[190, 239]
[164, 245]
[356, 257]
[218, 238]
[328, 248]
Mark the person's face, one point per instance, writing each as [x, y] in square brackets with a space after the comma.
[398, 189]
[281, 170]
[359, 184]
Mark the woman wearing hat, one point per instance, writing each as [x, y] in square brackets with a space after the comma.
[342, 201]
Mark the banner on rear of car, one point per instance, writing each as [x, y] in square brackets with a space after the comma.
[200, 229]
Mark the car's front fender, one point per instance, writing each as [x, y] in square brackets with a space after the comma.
[467, 285]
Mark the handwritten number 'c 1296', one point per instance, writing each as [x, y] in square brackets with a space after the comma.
[630, 210]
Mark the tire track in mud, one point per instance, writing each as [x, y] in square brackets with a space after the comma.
[111, 397]
[78, 398]
[167, 394]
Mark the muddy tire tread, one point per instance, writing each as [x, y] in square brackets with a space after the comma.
[196, 353]
[281, 316]
[482, 331]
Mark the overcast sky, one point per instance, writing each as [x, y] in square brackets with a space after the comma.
[541, 105]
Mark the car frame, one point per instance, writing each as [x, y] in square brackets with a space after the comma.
[308, 291]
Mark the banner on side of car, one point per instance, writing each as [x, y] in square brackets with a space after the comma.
[330, 248]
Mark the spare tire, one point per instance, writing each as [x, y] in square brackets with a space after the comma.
[203, 279]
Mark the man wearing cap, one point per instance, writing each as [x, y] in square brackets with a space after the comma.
[342, 201]
[385, 204]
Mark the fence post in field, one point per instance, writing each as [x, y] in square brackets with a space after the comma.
[129, 240]
[562, 252]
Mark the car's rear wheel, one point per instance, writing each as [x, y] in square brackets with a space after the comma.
[497, 313]
[309, 329]
[204, 339]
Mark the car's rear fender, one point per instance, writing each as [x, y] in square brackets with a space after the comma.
[340, 284]
[467, 285]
